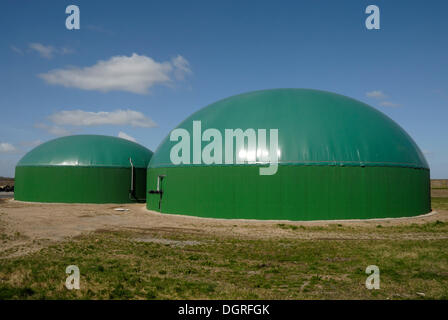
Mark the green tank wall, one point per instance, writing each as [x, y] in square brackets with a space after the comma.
[70, 184]
[294, 193]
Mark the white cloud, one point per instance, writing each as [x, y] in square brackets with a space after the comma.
[135, 74]
[124, 135]
[79, 118]
[31, 144]
[376, 94]
[389, 104]
[182, 67]
[379, 95]
[17, 50]
[6, 147]
[52, 129]
[43, 50]
[65, 50]
[98, 28]
[86, 118]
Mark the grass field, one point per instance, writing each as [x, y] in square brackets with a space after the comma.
[166, 264]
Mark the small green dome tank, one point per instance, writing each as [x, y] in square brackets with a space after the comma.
[83, 169]
[338, 158]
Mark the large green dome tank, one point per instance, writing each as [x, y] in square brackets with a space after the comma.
[83, 169]
[338, 158]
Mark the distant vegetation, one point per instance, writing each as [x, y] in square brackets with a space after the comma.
[6, 184]
[439, 183]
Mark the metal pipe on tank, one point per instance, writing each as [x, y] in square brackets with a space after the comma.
[131, 192]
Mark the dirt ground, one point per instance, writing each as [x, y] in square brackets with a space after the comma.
[28, 227]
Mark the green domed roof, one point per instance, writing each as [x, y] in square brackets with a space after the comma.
[88, 150]
[314, 128]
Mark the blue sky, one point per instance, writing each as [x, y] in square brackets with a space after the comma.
[193, 53]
